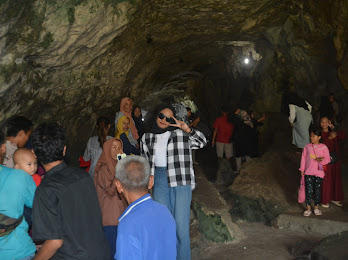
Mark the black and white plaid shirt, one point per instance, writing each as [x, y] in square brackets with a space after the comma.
[179, 158]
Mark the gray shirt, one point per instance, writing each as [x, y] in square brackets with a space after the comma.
[93, 152]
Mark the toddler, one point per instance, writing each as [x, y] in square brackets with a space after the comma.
[314, 156]
[24, 159]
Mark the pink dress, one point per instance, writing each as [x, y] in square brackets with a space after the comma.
[309, 165]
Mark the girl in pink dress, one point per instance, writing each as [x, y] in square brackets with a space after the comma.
[314, 157]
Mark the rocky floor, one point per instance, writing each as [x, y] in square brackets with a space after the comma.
[280, 241]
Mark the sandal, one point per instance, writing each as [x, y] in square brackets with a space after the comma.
[317, 212]
[307, 213]
[337, 203]
[325, 205]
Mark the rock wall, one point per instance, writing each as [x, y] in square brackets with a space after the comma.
[72, 61]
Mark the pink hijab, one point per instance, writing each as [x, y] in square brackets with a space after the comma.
[129, 115]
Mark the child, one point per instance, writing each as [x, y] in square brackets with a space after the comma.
[314, 156]
[18, 132]
[122, 132]
[332, 187]
[24, 159]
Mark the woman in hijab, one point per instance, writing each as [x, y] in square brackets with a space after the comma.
[168, 148]
[300, 119]
[112, 203]
[244, 135]
[123, 132]
[126, 108]
[138, 120]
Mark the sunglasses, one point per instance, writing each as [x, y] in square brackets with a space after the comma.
[168, 119]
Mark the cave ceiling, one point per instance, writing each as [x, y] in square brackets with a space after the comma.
[71, 61]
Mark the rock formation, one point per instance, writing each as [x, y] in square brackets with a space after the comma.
[72, 61]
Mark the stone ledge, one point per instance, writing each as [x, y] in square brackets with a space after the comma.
[212, 212]
[312, 224]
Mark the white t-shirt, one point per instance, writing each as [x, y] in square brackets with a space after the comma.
[161, 149]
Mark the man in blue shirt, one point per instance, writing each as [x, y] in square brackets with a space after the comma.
[17, 188]
[146, 228]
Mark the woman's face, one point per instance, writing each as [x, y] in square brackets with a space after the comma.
[116, 148]
[137, 112]
[162, 123]
[128, 106]
[324, 123]
[125, 126]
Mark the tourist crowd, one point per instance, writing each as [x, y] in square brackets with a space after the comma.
[107, 213]
[49, 210]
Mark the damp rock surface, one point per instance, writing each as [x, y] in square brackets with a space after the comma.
[72, 61]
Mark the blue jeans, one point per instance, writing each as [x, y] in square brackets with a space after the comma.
[111, 236]
[178, 201]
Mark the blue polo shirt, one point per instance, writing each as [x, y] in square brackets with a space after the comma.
[147, 231]
[17, 188]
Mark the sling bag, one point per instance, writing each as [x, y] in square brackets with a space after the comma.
[7, 224]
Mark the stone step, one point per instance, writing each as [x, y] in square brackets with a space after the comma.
[212, 212]
[312, 224]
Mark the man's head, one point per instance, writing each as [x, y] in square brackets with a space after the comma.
[331, 97]
[2, 147]
[24, 159]
[48, 143]
[224, 110]
[19, 128]
[133, 175]
[189, 111]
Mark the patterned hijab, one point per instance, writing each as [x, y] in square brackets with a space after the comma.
[245, 117]
[119, 127]
[129, 115]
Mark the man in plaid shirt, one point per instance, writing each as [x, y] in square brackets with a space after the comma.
[168, 149]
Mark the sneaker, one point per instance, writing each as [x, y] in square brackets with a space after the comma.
[337, 203]
[325, 205]
[307, 213]
[317, 212]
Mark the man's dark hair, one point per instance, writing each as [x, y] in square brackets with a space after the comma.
[224, 108]
[2, 137]
[17, 123]
[188, 109]
[48, 143]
